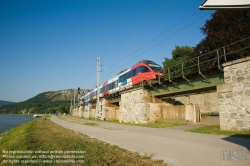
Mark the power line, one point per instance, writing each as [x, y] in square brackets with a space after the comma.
[88, 74]
[156, 11]
[154, 39]
[162, 40]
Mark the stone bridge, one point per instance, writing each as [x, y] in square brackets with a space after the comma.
[230, 99]
[222, 89]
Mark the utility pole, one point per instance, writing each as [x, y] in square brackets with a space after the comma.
[70, 110]
[98, 83]
[75, 98]
[78, 96]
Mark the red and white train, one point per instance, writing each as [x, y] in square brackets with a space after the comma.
[143, 71]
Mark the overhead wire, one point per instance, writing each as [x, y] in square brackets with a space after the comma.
[88, 74]
[160, 42]
[153, 40]
[156, 11]
[148, 18]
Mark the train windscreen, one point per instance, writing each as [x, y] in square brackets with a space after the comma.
[155, 67]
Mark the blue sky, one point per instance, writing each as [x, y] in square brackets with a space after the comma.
[50, 45]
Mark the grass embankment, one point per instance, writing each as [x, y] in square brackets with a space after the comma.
[215, 129]
[157, 124]
[45, 136]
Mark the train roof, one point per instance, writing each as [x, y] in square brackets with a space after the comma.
[122, 71]
[146, 61]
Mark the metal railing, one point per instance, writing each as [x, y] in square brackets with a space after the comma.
[210, 61]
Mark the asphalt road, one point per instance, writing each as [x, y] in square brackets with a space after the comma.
[173, 145]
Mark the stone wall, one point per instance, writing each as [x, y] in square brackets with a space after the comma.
[134, 106]
[234, 96]
[138, 106]
[207, 102]
[107, 111]
[77, 112]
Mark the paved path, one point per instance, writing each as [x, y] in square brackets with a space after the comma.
[174, 146]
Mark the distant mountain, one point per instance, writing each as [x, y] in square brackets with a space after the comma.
[46, 102]
[3, 102]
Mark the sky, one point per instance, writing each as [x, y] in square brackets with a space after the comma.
[50, 45]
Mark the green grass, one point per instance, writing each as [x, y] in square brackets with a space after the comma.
[156, 124]
[113, 121]
[161, 124]
[44, 135]
[206, 115]
[215, 129]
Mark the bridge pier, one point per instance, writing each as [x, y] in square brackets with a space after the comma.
[107, 110]
[138, 106]
[234, 96]
[78, 111]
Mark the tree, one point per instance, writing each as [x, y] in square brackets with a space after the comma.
[62, 109]
[179, 55]
[50, 111]
[225, 27]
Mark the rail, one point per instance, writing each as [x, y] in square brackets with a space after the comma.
[210, 61]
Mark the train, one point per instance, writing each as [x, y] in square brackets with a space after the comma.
[141, 72]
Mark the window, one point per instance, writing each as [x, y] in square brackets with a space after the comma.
[102, 89]
[112, 85]
[138, 69]
[145, 69]
[128, 75]
[133, 72]
[121, 78]
[116, 83]
[109, 86]
[155, 67]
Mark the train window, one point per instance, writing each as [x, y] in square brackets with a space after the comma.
[133, 72]
[128, 75]
[138, 69]
[145, 69]
[113, 85]
[155, 67]
[123, 77]
[116, 83]
[103, 89]
[109, 86]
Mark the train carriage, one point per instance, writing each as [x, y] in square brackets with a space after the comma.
[141, 72]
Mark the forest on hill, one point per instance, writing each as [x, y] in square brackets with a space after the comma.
[47, 102]
[3, 102]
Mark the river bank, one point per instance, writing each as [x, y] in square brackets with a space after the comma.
[41, 141]
[10, 121]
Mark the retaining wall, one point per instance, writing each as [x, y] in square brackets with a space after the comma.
[234, 96]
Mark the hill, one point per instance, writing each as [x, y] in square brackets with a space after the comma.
[46, 102]
[3, 102]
